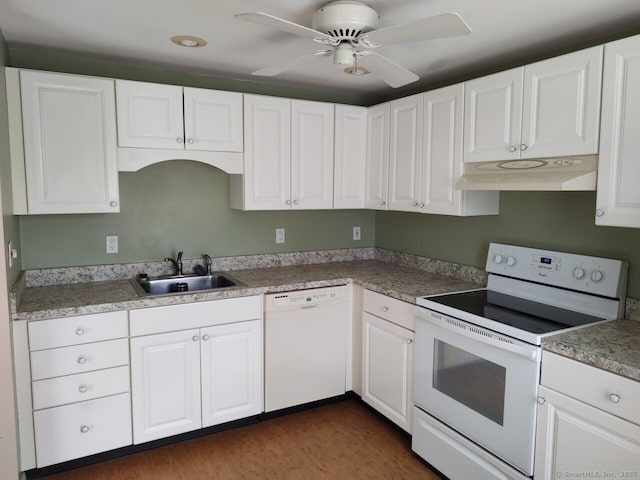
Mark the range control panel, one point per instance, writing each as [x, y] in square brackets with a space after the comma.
[596, 275]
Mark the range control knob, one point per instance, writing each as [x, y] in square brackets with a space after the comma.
[498, 258]
[511, 261]
[597, 276]
[579, 273]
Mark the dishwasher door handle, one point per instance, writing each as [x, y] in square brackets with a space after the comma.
[309, 306]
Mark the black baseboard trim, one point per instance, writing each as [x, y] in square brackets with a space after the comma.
[131, 449]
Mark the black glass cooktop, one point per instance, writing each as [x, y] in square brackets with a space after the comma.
[519, 313]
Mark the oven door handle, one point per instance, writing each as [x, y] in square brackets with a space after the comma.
[480, 334]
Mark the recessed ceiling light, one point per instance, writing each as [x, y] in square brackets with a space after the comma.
[188, 41]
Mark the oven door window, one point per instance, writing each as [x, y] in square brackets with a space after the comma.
[471, 380]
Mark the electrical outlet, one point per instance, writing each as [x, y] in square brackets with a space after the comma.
[356, 233]
[279, 235]
[112, 244]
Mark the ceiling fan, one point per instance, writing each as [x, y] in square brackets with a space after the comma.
[348, 29]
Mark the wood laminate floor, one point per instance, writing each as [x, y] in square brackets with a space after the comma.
[343, 440]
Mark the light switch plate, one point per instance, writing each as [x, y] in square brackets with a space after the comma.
[279, 235]
[112, 244]
[356, 233]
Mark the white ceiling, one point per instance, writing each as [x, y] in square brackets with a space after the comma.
[139, 31]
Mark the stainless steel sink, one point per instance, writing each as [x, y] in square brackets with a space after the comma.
[166, 284]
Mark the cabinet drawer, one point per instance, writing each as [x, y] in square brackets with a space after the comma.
[53, 392]
[395, 311]
[81, 429]
[592, 385]
[61, 332]
[79, 358]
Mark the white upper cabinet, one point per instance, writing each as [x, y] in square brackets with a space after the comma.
[288, 161]
[441, 164]
[68, 127]
[405, 147]
[548, 108]
[312, 128]
[377, 171]
[172, 117]
[350, 157]
[618, 197]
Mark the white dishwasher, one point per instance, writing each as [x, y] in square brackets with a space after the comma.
[306, 335]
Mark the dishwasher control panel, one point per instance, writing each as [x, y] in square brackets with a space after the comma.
[306, 297]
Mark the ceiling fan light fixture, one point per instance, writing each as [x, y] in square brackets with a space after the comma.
[356, 70]
[344, 55]
[188, 41]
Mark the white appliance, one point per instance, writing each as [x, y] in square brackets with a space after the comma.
[306, 335]
[477, 356]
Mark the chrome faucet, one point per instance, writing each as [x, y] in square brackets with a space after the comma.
[177, 263]
[207, 262]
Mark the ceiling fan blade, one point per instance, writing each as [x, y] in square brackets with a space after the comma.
[267, 20]
[430, 28]
[278, 68]
[387, 70]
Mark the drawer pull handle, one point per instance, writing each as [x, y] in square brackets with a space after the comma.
[615, 398]
[79, 331]
[84, 428]
[385, 309]
[541, 400]
[82, 359]
[83, 389]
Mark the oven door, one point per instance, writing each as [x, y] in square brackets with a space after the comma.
[480, 383]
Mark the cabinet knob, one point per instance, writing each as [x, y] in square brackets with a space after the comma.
[409, 341]
[615, 398]
[513, 148]
[415, 204]
[195, 338]
[84, 428]
[421, 205]
[205, 337]
[383, 203]
[599, 212]
[190, 141]
[113, 204]
[83, 389]
[385, 309]
[296, 202]
[541, 400]
[82, 359]
[523, 147]
[179, 139]
[288, 202]
[80, 331]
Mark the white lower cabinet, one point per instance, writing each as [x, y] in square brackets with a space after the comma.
[387, 357]
[587, 422]
[197, 377]
[79, 386]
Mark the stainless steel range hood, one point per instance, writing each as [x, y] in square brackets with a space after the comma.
[550, 174]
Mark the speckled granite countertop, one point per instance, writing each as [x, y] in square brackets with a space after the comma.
[612, 346]
[401, 282]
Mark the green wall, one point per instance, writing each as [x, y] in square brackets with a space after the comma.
[10, 222]
[182, 205]
[562, 221]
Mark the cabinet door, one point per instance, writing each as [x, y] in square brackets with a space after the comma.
[165, 384]
[69, 131]
[574, 437]
[267, 153]
[387, 369]
[350, 157]
[231, 372]
[311, 155]
[212, 120]
[149, 115]
[561, 109]
[377, 180]
[442, 150]
[493, 116]
[405, 145]
[618, 197]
